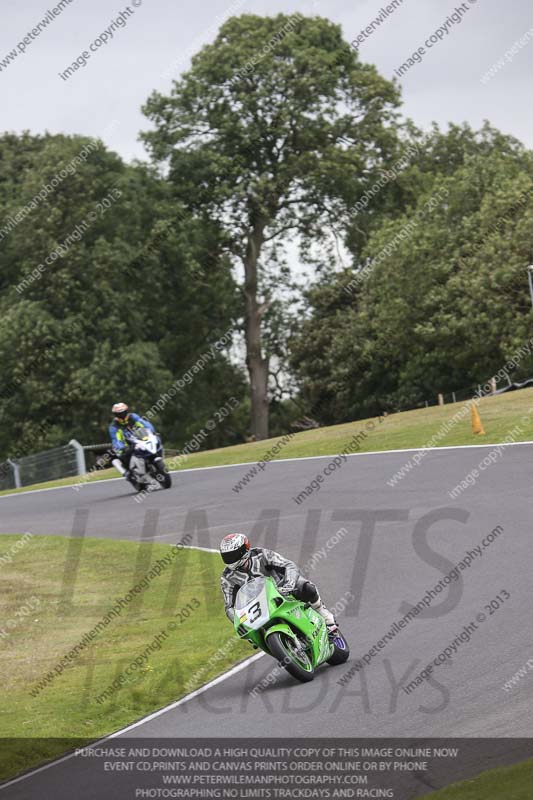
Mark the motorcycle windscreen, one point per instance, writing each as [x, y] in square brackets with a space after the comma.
[145, 439]
[251, 604]
[140, 433]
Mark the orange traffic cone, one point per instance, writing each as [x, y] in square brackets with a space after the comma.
[477, 426]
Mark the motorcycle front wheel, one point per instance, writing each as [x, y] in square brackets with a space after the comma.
[161, 475]
[293, 659]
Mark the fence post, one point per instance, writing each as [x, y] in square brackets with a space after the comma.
[16, 473]
[80, 456]
[441, 399]
[493, 385]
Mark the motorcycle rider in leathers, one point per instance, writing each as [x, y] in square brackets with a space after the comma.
[119, 431]
[244, 563]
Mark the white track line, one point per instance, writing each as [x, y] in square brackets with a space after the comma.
[197, 547]
[170, 707]
[286, 460]
[191, 696]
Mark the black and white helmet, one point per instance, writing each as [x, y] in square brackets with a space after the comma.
[234, 549]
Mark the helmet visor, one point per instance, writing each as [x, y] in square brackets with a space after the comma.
[238, 564]
[235, 558]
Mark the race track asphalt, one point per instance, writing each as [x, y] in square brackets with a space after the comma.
[398, 542]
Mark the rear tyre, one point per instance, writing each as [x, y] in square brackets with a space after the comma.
[341, 652]
[295, 661]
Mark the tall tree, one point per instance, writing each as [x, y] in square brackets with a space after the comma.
[276, 129]
[439, 300]
[135, 292]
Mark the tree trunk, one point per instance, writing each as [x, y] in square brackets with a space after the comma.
[257, 365]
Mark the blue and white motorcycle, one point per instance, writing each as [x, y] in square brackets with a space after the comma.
[146, 466]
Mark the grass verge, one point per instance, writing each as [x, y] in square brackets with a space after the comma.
[508, 783]
[502, 416]
[55, 591]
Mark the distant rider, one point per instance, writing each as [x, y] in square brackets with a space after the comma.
[120, 430]
[244, 563]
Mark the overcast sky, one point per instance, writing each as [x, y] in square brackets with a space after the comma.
[103, 99]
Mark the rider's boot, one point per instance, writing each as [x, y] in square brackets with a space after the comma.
[126, 473]
[326, 614]
[117, 463]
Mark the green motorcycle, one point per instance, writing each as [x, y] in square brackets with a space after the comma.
[286, 628]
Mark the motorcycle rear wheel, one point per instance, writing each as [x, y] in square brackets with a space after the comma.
[281, 645]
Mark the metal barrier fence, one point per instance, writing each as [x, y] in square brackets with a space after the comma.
[59, 462]
[7, 476]
[491, 387]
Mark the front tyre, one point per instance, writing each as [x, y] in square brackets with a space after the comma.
[161, 475]
[295, 660]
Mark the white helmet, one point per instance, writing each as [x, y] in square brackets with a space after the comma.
[235, 550]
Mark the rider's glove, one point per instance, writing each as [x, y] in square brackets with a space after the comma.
[287, 588]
